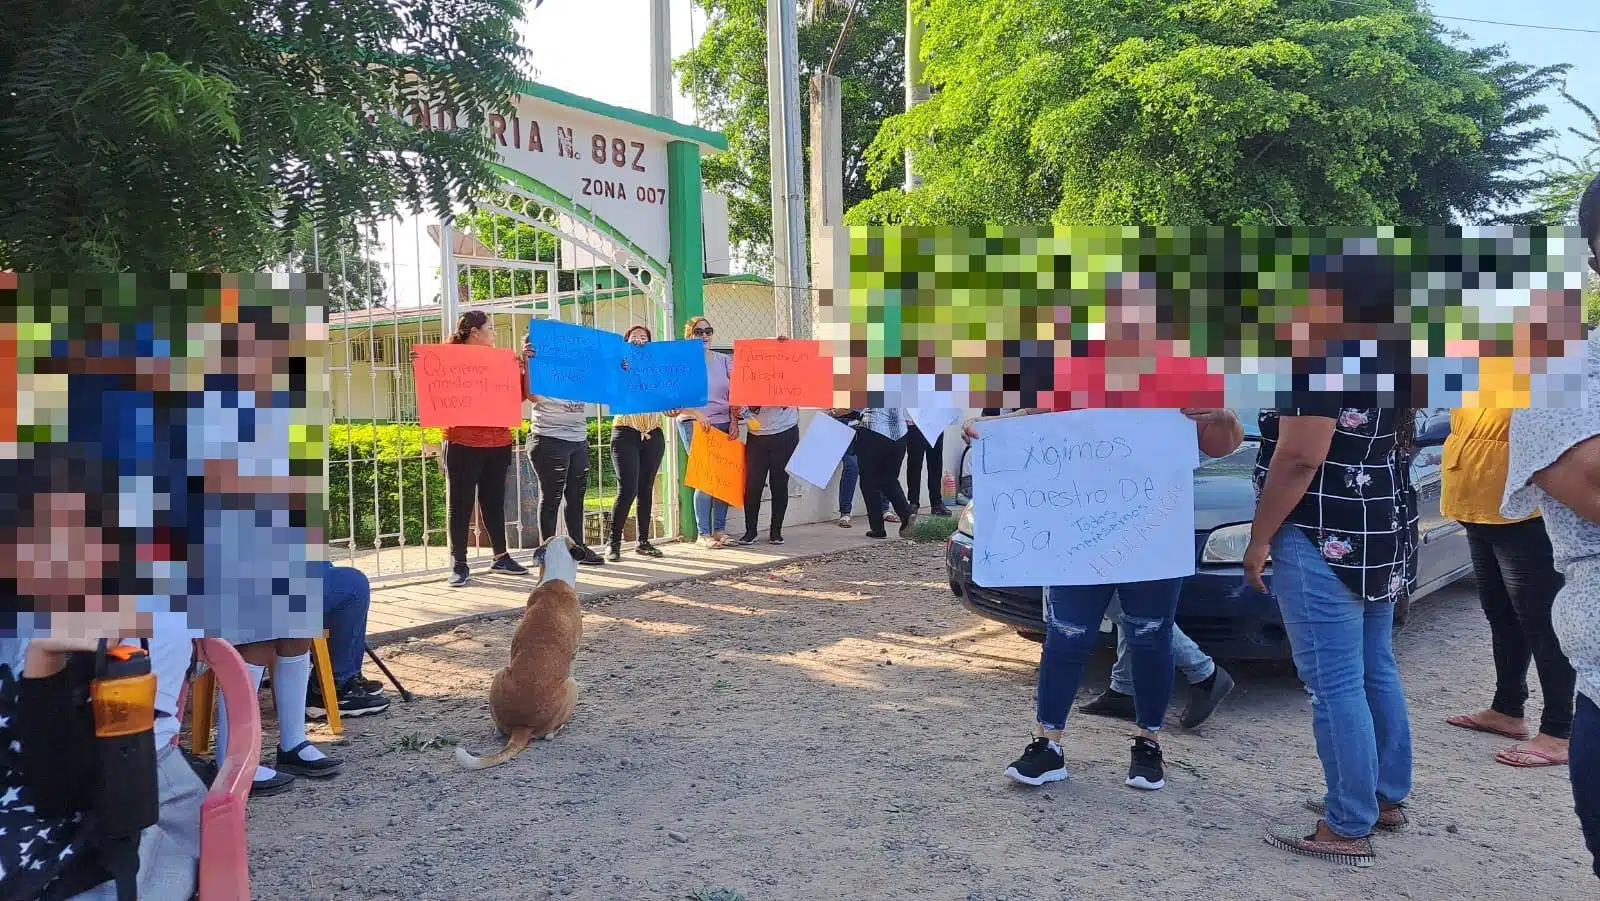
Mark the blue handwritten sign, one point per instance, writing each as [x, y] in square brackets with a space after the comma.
[572, 362]
[662, 375]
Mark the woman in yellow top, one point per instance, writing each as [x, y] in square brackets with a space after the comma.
[1517, 585]
[637, 446]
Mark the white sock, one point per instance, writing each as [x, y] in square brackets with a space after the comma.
[256, 672]
[290, 679]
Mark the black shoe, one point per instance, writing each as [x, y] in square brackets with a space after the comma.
[353, 701]
[587, 556]
[941, 510]
[508, 566]
[614, 552]
[775, 538]
[1040, 762]
[370, 686]
[459, 576]
[290, 761]
[1112, 703]
[749, 538]
[646, 549]
[266, 788]
[1205, 697]
[907, 524]
[1144, 772]
[878, 534]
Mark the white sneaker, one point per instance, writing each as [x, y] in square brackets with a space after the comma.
[844, 521]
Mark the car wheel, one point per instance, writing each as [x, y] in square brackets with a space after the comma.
[1402, 612]
[1035, 637]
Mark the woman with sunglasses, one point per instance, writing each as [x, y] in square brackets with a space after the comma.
[710, 514]
[637, 446]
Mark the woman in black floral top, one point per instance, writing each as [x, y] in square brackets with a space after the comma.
[1338, 512]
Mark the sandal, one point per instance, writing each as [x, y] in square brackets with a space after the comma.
[1470, 721]
[1527, 758]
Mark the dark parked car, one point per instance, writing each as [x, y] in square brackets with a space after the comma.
[1217, 609]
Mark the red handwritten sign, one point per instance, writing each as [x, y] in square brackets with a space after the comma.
[772, 373]
[462, 384]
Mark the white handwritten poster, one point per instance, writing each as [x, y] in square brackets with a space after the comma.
[822, 445]
[1087, 497]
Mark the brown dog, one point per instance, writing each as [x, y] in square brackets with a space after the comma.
[534, 694]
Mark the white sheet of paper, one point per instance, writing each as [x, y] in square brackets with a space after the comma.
[822, 446]
[1087, 497]
[932, 421]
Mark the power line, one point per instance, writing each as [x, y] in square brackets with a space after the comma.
[1432, 15]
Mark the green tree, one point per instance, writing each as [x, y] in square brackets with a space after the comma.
[168, 135]
[1298, 112]
[726, 76]
[343, 252]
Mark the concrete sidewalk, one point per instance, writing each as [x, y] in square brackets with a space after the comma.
[427, 605]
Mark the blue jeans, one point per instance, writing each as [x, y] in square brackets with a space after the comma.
[710, 514]
[847, 485]
[1584, 768]
[346, 595]
[1072, 618]
[1195, 664]
[1344, 652]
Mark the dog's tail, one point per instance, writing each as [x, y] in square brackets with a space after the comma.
[519, 739]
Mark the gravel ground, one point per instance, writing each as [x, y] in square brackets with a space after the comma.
[837, 730]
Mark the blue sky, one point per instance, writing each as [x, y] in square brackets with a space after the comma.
[1542, 47]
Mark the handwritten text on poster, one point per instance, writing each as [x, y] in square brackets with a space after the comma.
[1089, 497]
[772, 373]
[461, 384]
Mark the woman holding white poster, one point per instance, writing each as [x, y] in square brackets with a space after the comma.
[1072, 616]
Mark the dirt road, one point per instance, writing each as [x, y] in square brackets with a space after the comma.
[837, 730]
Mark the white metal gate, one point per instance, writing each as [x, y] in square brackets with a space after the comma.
[522, 253]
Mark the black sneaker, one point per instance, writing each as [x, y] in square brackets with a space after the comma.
[646, 549]
[459, 576]
[749, 538]
[1112, 703]
[508, 566]
[941, 510]
[353, 701]
[370, 686]
[279, 783]
[587, 556]
[614, 551]
[1144, 772]
[1040, 762]
[291, 761]
[775, 538]
[1205, 697]
[907, 525]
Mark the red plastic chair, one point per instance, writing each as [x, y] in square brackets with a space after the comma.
[224, 847]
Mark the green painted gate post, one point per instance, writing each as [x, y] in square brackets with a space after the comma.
[686, 257]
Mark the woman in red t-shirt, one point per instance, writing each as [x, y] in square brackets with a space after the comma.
[477, 460]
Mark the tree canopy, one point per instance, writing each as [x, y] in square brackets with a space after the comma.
[726, 76]
[1188, 112]
[167, 135]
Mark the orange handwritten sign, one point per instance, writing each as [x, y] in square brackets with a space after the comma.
[716, 465]
[772, 373]
[460, 384]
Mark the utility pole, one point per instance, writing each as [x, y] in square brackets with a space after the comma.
[661, 58]
[789, 273]
[916, 91]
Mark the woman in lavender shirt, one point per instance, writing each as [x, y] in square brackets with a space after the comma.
[710, 514]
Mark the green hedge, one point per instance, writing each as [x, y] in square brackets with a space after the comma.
[386, 459]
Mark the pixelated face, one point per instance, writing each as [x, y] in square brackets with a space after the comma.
[638, 336]
[1131, 318]
[59, 559]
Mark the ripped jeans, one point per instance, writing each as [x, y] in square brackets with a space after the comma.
[1072, 617]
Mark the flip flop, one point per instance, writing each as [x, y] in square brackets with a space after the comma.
[1471, 721]
[1531, 758]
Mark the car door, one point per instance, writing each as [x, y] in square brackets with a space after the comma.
[1444, 542]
